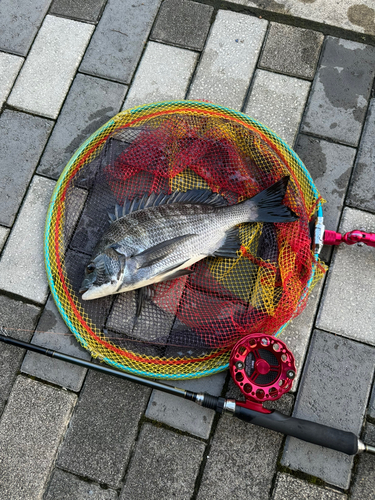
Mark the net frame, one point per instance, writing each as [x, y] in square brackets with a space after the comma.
[79, 323]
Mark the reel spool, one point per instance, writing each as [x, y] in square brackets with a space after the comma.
[263, 368]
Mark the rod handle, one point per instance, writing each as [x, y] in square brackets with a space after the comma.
[312, 432]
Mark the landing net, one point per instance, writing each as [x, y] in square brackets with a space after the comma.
[190, 324]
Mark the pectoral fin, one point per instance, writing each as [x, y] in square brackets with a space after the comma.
[160, 251]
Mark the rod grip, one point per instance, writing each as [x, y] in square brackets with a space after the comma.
[319, 434]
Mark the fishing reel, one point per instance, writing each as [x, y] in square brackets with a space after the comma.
[263, 368]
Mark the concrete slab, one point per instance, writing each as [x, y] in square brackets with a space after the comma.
[340, 92]
[65, 486]
[290, 488]
[278, 101]
[163, 75]
[50, 67]
[103, 429]
[182, 414]
[364, 482]
[9, 68]
[22, 262]
[119, 39]
[83, 10]
[53, 334]
[291, 50]
[19, 320]
[342, 14]
[330, 166]
[4, 231]
[31, 428]
[19, 23]
[182, 23]
[241, 463]
[165, 465]
[229, 59]
[23, 139]
[334, 391]
[347, 306]
[90, 103]
[362, 188]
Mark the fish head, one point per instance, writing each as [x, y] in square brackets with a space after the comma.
[103, 276]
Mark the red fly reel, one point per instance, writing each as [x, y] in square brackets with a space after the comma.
[263, 367]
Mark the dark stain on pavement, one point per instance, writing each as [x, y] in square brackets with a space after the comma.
[364, 16]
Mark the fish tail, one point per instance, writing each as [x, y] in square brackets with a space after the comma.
[268, 204]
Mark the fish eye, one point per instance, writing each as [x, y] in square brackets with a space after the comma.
[90, 268]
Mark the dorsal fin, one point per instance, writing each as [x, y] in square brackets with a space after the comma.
[194, 196]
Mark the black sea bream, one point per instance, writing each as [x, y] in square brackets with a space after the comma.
[157, 238]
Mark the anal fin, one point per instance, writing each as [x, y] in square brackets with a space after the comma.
[230, 246]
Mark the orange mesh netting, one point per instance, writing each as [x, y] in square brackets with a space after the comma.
[190, 324]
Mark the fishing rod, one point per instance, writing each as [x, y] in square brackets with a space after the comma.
[254, 359]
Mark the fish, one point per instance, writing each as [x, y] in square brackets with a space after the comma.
[159, 237]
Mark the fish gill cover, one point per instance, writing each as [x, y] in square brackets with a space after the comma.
[189, 325]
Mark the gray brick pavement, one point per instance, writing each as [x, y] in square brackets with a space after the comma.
[340, 92]
[362, 188]
[46, 76]
[31, 428]
[347, 306]
[229, 59]
[91, 102]
[103, 429]
[290, 50]
[118, 40]
[3, 236]
[65, 486]
[19, 23]
[186, 415]
[278, 101]
[53, 334]
[164, 465]
[183, 23]
[9, 68]
[82, 10]
[364, 482]
[171, 69]
[22, 262]
[371, 409]
[288, 487]
[334, 390]
[20, 320]
[23, 140]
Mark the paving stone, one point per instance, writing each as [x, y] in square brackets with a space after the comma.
[91, 102]
[290, 488]
[364, 480]
[291, 50]
[65, 486]
[19, 320]
[163, 75]
[340, 92]
[229, 59]
[347, 306]
[103, 429]
[183, 23]
[362, 187]
[182, 414]
[19, 23]
[50, 66]
[23, 139]
[9, 68]
[345, 14]
[119, 39]
[22, 263]
[53, 334]
[242, 460]
[165, 465]
[334, 391]
[371, 410]
[3, 236]
[31, 428]
[85, 10]
[330, 166]
[278, 101]
[297, 334]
